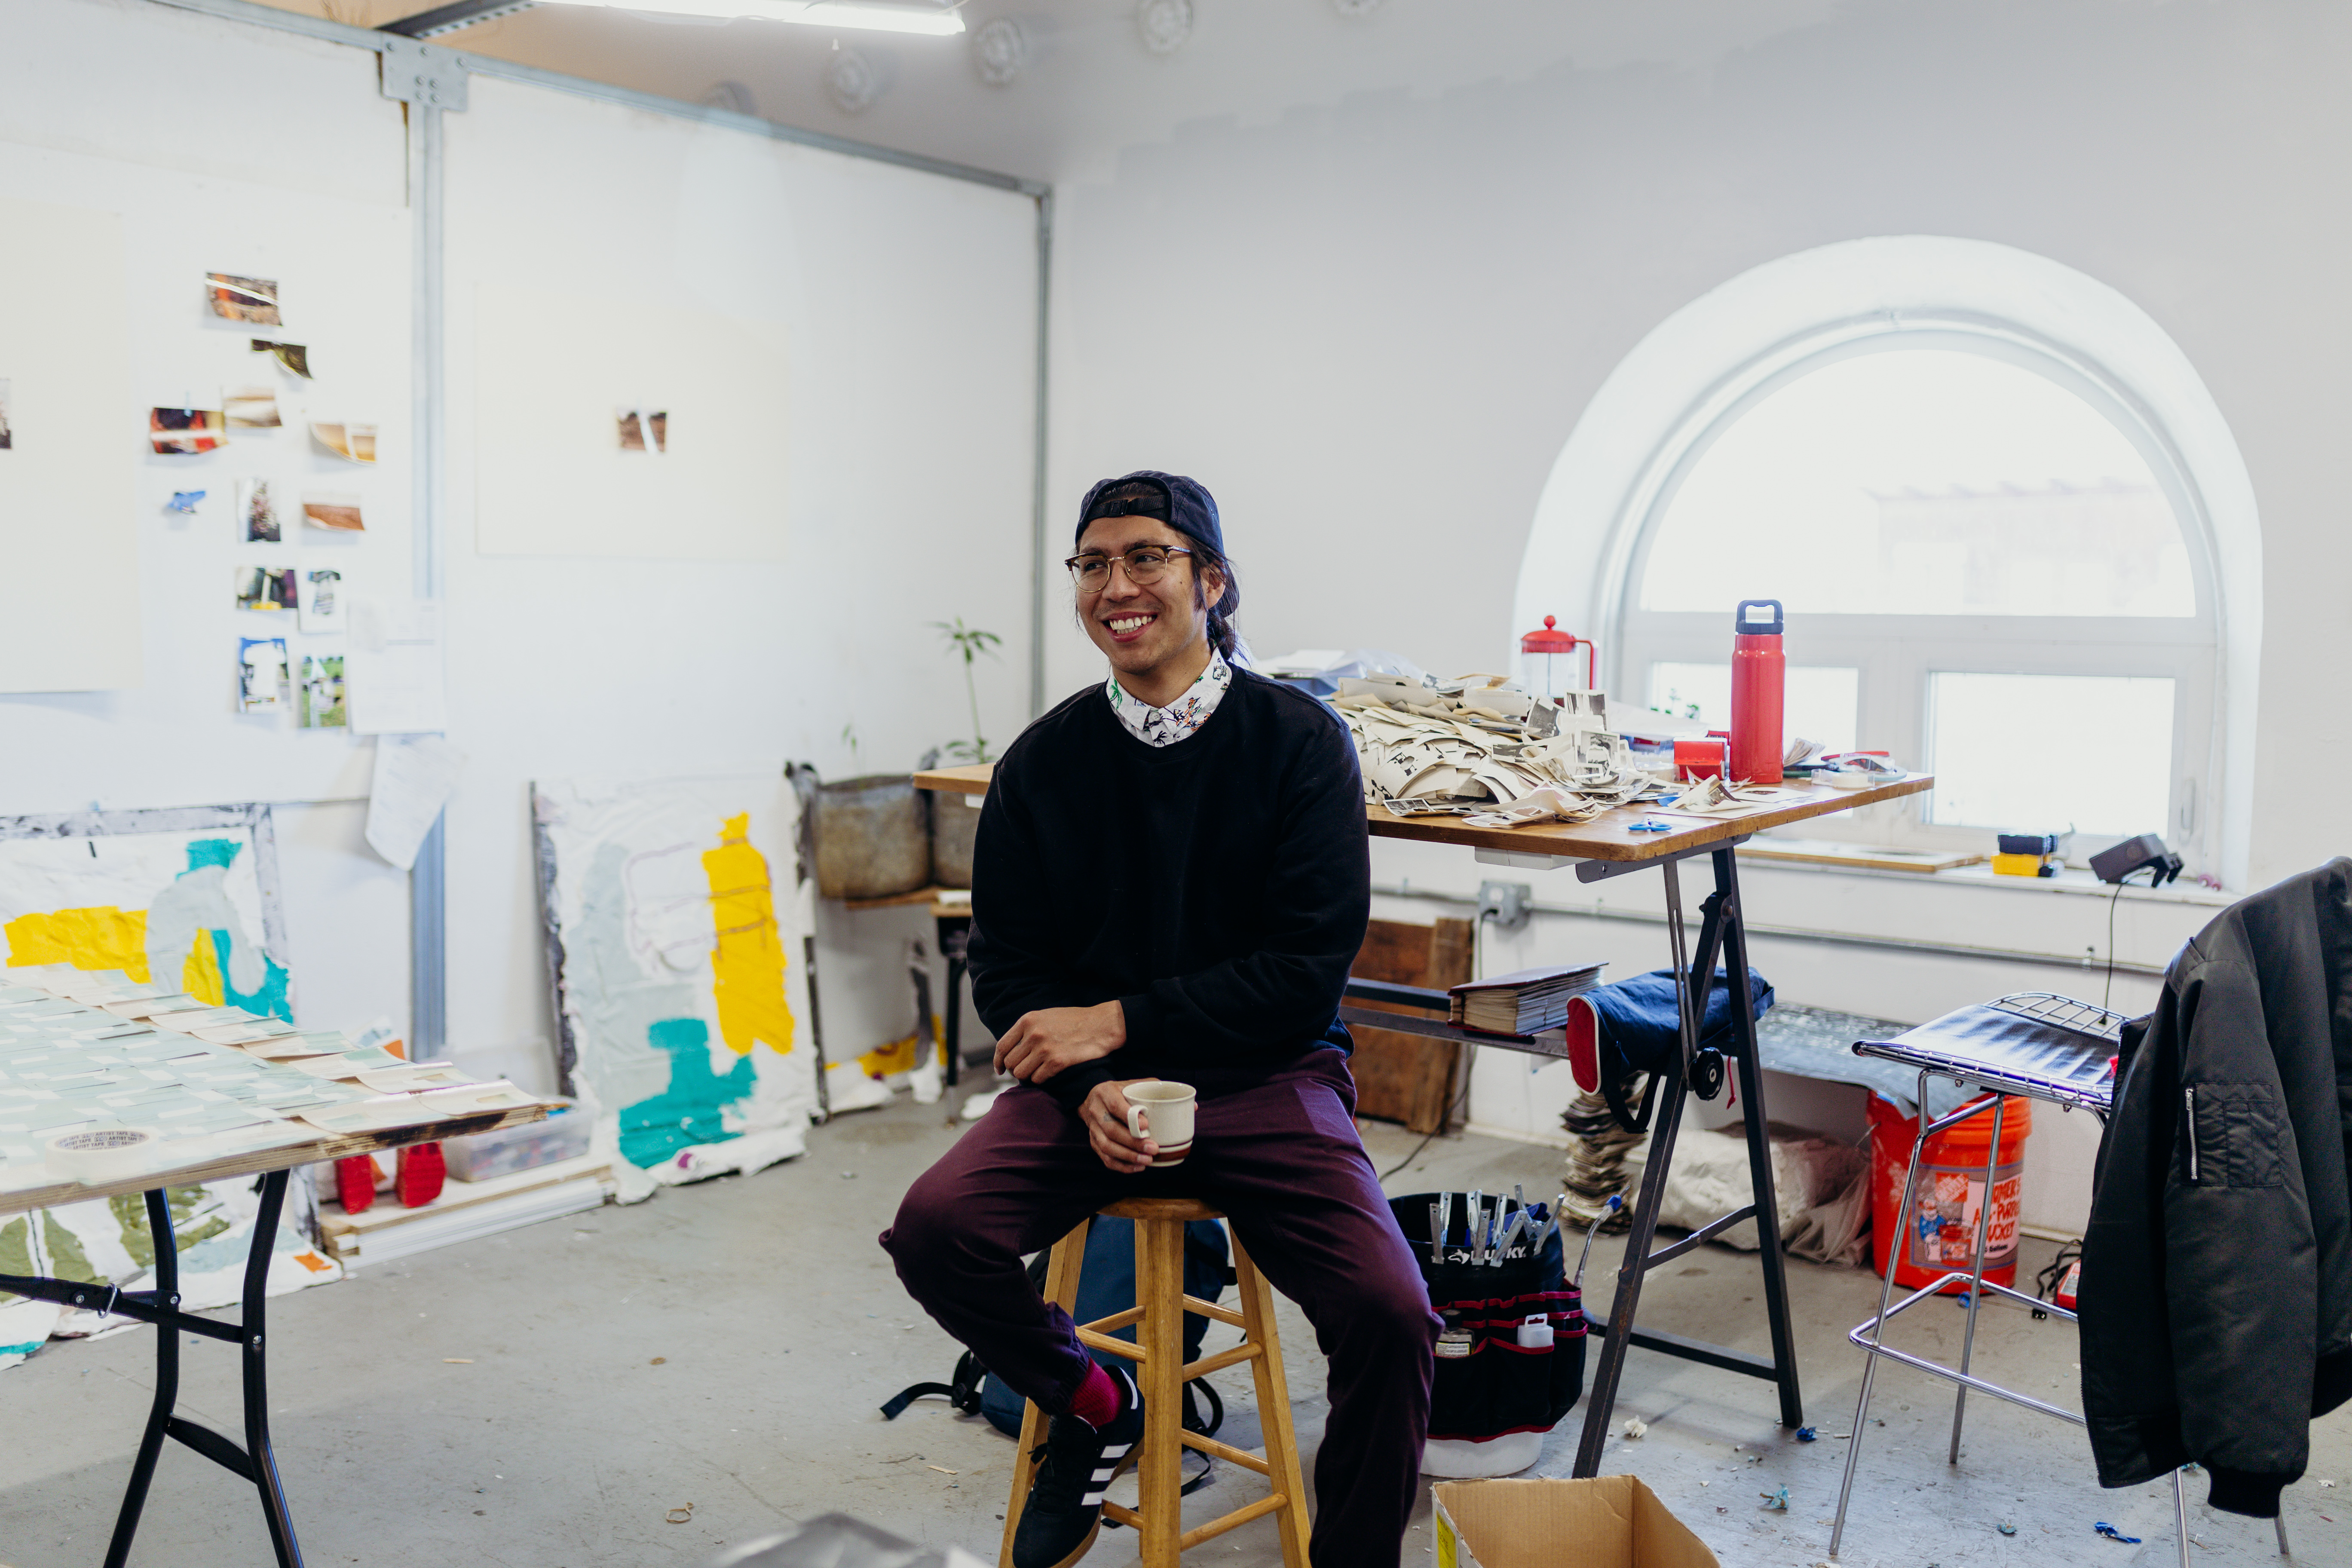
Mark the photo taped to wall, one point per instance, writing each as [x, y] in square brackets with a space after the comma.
[355, 443]
[319, 704]
[335, 510]
[256, 512]
[294, 357]
[261, 677]
[322, 599]
[266, 588]
[251, 408]
[643, 429]
[179, 432]
[237, 299]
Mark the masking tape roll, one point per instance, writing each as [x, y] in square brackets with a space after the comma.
[102, 1154]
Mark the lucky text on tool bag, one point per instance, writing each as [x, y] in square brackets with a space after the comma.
[1105, 1288]
[1488, 1381]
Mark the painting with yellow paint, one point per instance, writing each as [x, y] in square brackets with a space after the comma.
[678, 920]
[182, 896]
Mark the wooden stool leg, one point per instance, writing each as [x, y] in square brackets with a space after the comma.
[1062, 1290]
[1160, 1289]
[1272, 1406]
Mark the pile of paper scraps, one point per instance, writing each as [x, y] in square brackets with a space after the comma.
[1478, 748]
[83, 1050]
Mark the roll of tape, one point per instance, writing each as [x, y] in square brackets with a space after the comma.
[102, 1154]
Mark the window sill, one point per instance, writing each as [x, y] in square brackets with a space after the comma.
[2069, 880]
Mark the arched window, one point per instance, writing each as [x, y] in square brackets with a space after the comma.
[2002, 557]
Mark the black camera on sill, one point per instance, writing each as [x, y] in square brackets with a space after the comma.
[2144, 853]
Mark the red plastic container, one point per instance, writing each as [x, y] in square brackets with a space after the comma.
[1697, 758]
[1939, 1234]
[421, 1173]
[1759, 678]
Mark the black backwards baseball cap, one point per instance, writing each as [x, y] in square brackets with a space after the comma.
[1185, 505]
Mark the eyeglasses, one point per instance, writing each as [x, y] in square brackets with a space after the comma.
[1145, 565]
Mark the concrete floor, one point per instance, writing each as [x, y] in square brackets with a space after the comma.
[725, 1346]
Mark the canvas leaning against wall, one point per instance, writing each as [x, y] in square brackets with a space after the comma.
[181, 897]
[676, 915]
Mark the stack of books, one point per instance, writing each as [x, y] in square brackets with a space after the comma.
[1522, 1004]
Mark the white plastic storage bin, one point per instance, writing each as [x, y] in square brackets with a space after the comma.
[562, 1136]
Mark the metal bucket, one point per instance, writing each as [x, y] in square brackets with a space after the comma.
[873, 837]
[955, 826]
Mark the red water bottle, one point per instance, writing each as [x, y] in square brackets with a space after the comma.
[1758, 671]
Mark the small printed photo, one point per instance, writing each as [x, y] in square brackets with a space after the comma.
[185, 502]
[339, 512]
[8, 437]
[322, 599]
[237, 299]
[355, 443]
[177, 432]
[293, 356]
[251, 408]
[261, 677]
[320, 705]
[257, 511]
[266, 588]
[643, 429]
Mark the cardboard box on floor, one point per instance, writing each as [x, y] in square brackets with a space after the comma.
[1608, 1522]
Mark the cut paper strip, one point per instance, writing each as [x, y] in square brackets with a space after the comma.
[340, 512]
[475, 1098]
[355, 443]
[183, 432]
[293, 356]
[238, 299]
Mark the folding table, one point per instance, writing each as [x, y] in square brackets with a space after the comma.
[256, 1461]
[1607, 847]
[2032, 1044]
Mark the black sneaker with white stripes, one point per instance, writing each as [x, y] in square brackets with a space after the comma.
[1064, 1512]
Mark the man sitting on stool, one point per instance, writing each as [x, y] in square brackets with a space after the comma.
[1171, 880]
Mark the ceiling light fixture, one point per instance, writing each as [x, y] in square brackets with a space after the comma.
[869, 16]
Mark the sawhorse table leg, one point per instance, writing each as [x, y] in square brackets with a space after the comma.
[1722, 930]
[254, 1461]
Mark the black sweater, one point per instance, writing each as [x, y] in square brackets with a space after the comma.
[2216, 1271]
[1217, 889]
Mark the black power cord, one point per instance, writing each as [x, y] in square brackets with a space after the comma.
[2107, 995]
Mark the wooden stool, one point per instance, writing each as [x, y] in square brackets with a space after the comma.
[1161, 1371]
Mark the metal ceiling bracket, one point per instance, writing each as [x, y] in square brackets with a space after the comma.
[423, 74]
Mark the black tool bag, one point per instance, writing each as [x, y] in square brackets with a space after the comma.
[1486, 1384]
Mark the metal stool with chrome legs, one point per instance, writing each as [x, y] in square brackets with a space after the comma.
[2030, 1044]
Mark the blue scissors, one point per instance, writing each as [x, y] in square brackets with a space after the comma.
[1651, 825]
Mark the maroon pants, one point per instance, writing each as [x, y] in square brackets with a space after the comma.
[1282, 1160]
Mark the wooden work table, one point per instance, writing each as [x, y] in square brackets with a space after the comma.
[1606, 838]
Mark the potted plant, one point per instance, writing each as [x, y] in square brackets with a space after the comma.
[954, 824]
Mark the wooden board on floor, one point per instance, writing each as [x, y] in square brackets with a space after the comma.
[1406, 1077]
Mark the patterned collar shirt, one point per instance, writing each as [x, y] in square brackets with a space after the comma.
[1166, 726]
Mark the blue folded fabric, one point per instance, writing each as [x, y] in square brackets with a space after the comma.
[1638, 1028]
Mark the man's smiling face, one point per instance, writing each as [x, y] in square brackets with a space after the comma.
[1141, 628]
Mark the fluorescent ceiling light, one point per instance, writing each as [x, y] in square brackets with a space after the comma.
[869, 16]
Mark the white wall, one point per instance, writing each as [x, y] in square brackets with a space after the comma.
[1370, 326]
[236, 149]
[902, 484]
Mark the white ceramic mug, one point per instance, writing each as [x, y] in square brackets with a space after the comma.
[1163, 1113]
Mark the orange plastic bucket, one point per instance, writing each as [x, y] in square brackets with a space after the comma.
[1939, 1234]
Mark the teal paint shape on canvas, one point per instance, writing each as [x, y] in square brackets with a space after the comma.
[270, 999]
[203, 852]
[689, 1110]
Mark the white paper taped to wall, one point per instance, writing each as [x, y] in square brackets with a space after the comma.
[414, 777]
[392, 671]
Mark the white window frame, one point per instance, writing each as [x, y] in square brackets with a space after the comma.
[1897, 655]
[1708, 363]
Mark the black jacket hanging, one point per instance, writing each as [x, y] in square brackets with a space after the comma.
[2217, 1273]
